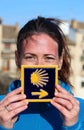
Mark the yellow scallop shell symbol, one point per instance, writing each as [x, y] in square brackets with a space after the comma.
[39, 78]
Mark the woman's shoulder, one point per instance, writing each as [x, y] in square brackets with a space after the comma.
[13, 85]
[66, 86]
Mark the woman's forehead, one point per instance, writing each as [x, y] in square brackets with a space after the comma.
[40, 38]
[40, 44]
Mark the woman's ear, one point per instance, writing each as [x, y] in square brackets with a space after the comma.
[17, 59]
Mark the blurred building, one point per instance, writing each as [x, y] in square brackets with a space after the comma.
[76, 45]
[8, 36]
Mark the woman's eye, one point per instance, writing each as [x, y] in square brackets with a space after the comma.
[50, 58]
[29, 57]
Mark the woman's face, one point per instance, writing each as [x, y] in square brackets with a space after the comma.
[40, 49]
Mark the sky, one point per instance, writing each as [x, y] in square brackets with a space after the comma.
[20, 11]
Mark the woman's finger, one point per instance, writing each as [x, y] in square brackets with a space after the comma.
[62, 93]
[67, 104]
[16, 105]
[13, 98]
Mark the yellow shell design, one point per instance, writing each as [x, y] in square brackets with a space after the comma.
[39, 78]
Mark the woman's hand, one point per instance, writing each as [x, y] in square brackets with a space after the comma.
[67, 105]
[11, 106]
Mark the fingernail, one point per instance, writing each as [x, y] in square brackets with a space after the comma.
[26, 101]
[24, 96]
[54, 98]
[56, 93]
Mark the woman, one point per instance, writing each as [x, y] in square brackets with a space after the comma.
[42, 42]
